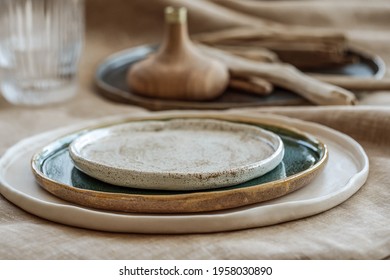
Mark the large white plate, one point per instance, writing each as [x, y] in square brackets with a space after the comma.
[178, 154]
[345, 173]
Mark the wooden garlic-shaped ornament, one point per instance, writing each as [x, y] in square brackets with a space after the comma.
[178, 70]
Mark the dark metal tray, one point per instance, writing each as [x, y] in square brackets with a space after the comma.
[111, 83]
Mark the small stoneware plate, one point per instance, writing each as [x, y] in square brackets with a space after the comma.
[344, 174]
[178, 154]
[303, 159]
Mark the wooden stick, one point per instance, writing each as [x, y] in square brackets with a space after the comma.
[301, 47]
[355, 83]
[285, 76]
[249, 52]
[302, 56]
[251, 84]
[309, 59]
[293, 34]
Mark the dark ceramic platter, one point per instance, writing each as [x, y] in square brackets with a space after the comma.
[304, 158]
[111, 83]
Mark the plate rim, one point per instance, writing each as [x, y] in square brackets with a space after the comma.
[288, 183]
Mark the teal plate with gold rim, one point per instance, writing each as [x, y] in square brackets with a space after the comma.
[304, 157]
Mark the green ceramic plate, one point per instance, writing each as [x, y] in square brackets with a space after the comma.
[304, 157]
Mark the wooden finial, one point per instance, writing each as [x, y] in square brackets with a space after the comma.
[175, 15]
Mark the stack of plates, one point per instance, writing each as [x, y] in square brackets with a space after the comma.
[179, 165]
[184, 172]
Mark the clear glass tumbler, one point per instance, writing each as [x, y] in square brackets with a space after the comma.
[40, 47]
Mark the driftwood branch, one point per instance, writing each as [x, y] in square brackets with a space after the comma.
[249, 52]
[301, 47]
[251, 84]
[249, 33]
[285, 76]
[355, 83]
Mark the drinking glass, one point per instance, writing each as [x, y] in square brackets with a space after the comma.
[40, 47]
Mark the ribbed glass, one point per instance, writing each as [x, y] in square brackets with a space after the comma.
[40, 47]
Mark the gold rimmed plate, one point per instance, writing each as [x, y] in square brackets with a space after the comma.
[304, 158]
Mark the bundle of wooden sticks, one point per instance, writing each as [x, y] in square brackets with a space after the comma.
[249, 50]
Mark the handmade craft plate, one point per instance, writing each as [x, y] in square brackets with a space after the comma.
[344, 174]
[178, 154]
[304, 158]
[110, 79]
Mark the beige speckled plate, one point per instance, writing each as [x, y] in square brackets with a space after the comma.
[177, 154]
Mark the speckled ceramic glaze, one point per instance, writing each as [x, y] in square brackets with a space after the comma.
[179, 154]
[303, 159]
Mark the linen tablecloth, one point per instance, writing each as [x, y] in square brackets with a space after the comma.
[357, 229]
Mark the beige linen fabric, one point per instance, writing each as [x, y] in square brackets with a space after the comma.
[357, 229]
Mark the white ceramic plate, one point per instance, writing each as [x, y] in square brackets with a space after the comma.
[178, 154]
[345, 173]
